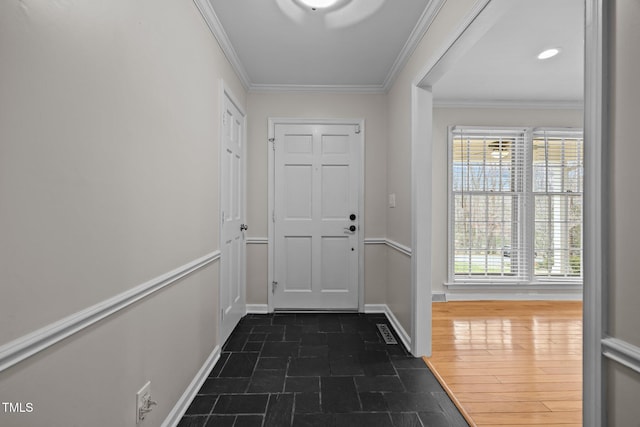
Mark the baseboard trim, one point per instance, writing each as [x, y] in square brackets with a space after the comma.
[439, 297]
[30, 344]
[622, 352]
[384, 308]
[402, 334]
[375, 308]
[190, 393]
[257, 308]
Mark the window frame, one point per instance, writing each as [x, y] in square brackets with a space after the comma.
[526, 224]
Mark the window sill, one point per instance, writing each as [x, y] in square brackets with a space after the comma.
[515, 286]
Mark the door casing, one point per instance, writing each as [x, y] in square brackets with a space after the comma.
[272, 122]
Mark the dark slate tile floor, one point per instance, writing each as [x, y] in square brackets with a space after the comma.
[327, 370]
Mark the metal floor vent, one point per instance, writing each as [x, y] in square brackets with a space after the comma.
[387, 336]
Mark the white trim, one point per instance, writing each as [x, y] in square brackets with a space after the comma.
[271, 123]
[257, 240]
[422, 26]
[622, 352]
[517, 286]
[418, 31]
[402, 334]
[596, 205]
[461, 39]
[375, 241]
[257, 308]
[498, 296]
[220, 34]
[398, 247]
[293, 88]
[390, 243]
[421, 213]
[181, 406]
[384, 308]
[508, 104]
[375, 308]
[30, 344]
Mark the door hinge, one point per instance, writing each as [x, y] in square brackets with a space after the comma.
[274, 285]
[273, 143]
[222, 217]
[224, 118]
[273, 216]
[357, 128]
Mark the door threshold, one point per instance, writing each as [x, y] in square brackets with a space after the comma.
[314, 311]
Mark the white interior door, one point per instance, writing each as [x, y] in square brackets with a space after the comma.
[316, 217]
[232, 212]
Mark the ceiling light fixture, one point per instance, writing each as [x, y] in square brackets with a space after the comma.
[319, 4]
[549, 53]
[500, 149]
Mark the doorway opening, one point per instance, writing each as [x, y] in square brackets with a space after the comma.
[484, 16]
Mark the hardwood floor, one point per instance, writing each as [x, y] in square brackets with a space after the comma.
[511, 363]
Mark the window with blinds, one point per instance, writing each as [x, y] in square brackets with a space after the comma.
[515, 204]
[557, 202]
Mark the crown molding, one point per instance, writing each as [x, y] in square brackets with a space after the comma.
[422, 26]
[419, 30]
[519, 104]
[220, 34]
[317, 88]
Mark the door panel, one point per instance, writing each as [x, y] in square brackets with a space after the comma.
[298, 191]
[335, 263]
[298, 263]
[335, 192]
[232, 259]
[316, 190]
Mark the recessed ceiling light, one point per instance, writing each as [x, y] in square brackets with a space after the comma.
[549, 53]
[318, 4]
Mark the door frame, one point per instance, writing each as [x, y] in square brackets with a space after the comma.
[226, 93]
[272, 122]
[596, 128]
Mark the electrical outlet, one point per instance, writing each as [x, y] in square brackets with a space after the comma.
[143, 402]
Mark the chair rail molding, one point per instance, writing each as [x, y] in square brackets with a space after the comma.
[32, 343]
[390, 243]
[622, 352]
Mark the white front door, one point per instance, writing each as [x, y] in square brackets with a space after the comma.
[232, 212]
[316, 216]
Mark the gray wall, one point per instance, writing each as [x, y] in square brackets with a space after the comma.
[399, 155]
[623, 283]
[108, 179]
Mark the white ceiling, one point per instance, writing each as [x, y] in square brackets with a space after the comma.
[361, 44]
[502, 66]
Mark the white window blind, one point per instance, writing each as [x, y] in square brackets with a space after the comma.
[515, 205]
[557, 192]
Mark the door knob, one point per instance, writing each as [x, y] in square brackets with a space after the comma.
[244, 227]
[351, 228]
